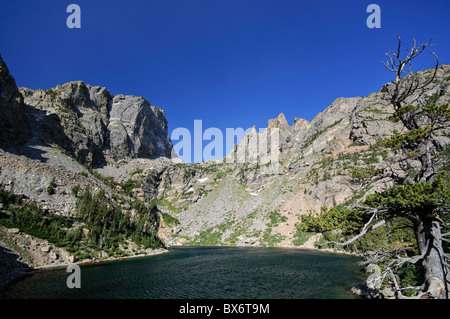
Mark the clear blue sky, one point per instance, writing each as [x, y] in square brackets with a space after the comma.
[229, 63]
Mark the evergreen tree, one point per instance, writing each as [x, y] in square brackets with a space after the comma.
[421, 192]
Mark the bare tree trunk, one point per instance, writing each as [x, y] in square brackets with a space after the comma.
[430, 247]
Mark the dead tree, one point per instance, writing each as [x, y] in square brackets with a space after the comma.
[423, 198]
[407, 86]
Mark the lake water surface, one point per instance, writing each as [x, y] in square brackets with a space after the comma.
[204, 273]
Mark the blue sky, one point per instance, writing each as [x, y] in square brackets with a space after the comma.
[229, 63]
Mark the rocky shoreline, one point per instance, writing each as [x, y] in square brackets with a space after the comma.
[110, 259]
[12, 269]
[21, 254]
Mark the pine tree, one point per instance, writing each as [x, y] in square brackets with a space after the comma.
[421, 191]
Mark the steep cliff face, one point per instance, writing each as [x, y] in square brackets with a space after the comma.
[248, 203]
[14, 124]
[142, 126]
[96, 127]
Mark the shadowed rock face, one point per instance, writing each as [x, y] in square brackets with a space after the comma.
[14, 124]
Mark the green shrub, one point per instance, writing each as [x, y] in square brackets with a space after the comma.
[410, 275]
[75, 190]
[170, 220]
[52, 93]
[301, 237]
[349, 221]
[129, 185]
[275, 218]
[51, 187]
[101, 193]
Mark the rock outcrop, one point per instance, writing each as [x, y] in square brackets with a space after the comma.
[96, 127]
[34, 251]
[137, 129]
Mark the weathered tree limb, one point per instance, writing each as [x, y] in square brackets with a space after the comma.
[412, 260]
[407, 86]
[410, 288]
[364, 231]
[397, 289]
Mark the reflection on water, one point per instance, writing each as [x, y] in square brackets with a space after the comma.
[205, 273]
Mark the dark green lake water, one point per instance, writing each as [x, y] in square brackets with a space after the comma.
[204, 273]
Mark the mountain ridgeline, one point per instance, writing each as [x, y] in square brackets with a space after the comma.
[86, 175]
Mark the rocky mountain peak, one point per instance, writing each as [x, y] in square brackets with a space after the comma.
[300, 124]
[97, 127]
[278, 122]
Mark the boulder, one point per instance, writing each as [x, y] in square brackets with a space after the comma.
[46, 249]
[13, 231]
